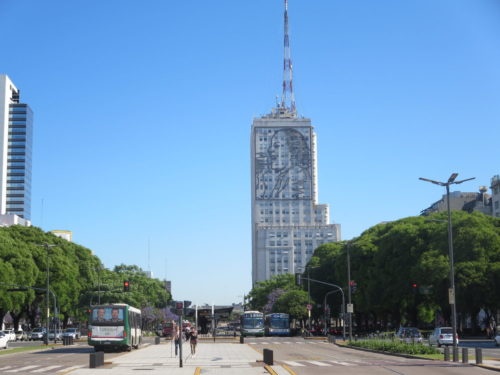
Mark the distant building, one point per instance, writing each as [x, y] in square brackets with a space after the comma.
[11, 219]
[495, 195]
[16, 137]
[470, 202]
[64, 234]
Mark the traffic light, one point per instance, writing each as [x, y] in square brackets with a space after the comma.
[126, 286]
[414, 287]
[353, 285]
[298, 279]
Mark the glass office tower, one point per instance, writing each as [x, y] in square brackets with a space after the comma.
[16, 139]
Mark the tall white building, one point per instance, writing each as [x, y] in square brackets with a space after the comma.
[288, 223]
[16, 137]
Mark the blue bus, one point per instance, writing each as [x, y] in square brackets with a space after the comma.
[277, 324]
[115, 327]
[252, 323]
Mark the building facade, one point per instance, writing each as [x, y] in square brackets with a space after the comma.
[16, 139]
[465, 201]
[287, 221]
[495, 195]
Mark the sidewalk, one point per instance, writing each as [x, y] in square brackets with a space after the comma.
[211, 358]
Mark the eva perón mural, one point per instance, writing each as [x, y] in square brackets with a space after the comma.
[283, 167]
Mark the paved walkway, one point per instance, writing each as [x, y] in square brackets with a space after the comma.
[211, 358]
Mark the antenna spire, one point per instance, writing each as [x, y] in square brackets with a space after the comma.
[287, 106]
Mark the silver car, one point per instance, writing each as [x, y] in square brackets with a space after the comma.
[71, 332]
[37, 334]
[442, 336]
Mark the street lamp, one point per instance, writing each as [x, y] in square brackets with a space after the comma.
[451, 293]
[349, 306]
[47, 247]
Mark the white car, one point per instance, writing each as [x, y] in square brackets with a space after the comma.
[4, 340]
[442, 336]
[11, 335]
[71, 332]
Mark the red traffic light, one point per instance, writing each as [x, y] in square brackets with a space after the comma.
[126, 286]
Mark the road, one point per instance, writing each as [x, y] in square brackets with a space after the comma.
[317, 357]
[302, 357]
[53, 359]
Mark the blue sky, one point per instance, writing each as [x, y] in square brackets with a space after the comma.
[143, 113]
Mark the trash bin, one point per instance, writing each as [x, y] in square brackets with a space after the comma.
[157, 340]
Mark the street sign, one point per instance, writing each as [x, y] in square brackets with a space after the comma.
[451, 296]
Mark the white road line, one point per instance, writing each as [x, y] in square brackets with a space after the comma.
[47, 368]
[342, 363]
[293, 363]
[23, 368]
[5, 368]
[317, 363]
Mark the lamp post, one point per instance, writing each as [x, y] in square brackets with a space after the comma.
[47, 247]
[451, 292]
[349, 306]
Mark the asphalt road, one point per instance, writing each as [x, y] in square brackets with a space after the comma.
[317, 357]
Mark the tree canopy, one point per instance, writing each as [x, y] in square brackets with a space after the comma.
[77, 278]
[400, 272]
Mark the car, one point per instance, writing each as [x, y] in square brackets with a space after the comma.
[37, 334]
[409, 335]
[4, 340]
[21, 335]
[55, 335]
[442, 336]
[11, 335]
[72, 332]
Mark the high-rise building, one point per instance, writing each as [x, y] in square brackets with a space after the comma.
[287, 221]
[16, 136]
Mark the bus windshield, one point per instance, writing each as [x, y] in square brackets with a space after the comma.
[252, 321]
[279, 322]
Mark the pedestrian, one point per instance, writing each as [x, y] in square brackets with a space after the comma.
[177, 337]
[193, 340]
[187, 333]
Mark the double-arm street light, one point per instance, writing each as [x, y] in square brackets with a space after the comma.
[451, 293]
[47, 247]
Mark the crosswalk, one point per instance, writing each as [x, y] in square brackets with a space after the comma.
[328, 363]
[289, 343]
[37, 369]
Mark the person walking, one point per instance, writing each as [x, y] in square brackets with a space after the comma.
[177, 337]
[193, 340]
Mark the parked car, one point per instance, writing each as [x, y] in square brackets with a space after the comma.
[4, 340]
[37, 334]
[72, 332]
[442, 336]
[11, 335]
[409, 335]
[55, 335]
[21, 336]
[497, 336]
